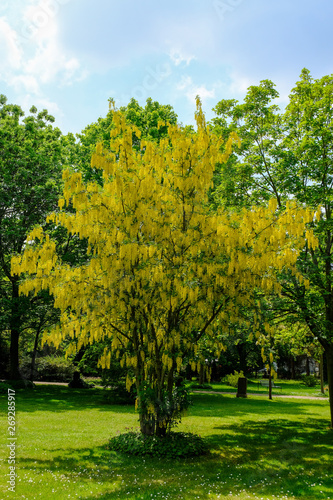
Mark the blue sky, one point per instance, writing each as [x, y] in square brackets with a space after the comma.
[70, 56]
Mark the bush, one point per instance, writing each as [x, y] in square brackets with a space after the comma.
[49, 369]
[21, 384]
[165, 409]
[119, 395]
[309, 380]
[173, 445]
[4, 386]
[232, 378]
[88, 359]
[196, 385]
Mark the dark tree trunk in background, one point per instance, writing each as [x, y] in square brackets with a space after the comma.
[14, 372]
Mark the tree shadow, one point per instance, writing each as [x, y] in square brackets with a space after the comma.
[267, 454]
[276, 439]
[63, 399]
[214, 405]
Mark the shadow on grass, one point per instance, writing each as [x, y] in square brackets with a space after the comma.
[280, 448]
[217, 405]
[274, 457]
[60, 399]
[277, 439]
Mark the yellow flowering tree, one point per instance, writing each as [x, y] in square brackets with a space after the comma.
[162, 268]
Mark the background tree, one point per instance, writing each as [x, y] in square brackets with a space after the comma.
[30, 182]
[252, 175]
[289, 156]
[146, 119]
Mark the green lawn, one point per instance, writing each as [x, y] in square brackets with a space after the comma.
[286, 388]
[260, 449]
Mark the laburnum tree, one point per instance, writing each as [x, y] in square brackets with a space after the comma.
[162, 266]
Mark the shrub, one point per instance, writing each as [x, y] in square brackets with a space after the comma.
[165, 410]
[117, 394]
[89, 356]
[232, 378]
[172, 445]
[48, 369]
[4, 386]
[196, 385]
[309, 380]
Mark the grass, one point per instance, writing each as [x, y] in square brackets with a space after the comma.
[287, 388]
[260, 449]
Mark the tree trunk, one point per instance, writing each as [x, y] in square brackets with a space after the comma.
[160, 431]
[189, 373]
[33, 358]
[321, 373]
[329, 358]
[292, 368]
[147, 426]
[241, 348]
[14, 372]
[307, 366]
[270, 382]
[202, 375]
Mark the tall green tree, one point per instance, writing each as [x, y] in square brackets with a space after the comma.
[146, 119]
[289, 155]
[30, 181]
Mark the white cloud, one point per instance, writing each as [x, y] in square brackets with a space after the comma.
[31, 55]
[239, 83]
[50, 63]
[178, 57]
[185, 83]
[10, 52]
[27, 83]
[27, 100]
[191, 90]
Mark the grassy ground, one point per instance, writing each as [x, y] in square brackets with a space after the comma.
[260, 449]
[286, 388]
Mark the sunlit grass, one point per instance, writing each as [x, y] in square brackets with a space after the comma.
[260, 449]
[286, 388]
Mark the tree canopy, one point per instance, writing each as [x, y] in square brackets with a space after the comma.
[289, 156]
[162, 266]
[30, 177]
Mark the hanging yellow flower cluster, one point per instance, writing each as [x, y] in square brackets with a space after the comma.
[162, 267]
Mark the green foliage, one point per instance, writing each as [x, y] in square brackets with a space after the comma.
[287, 155]
[232, 378]
[20, 384]
[173, 445]
[164, 410]
[4, 386]
[196, 385]
[32, 154]
[88, 359]
[117, 394]
[309, 380]
[49, 369]
[145, 118]
[114, 383]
